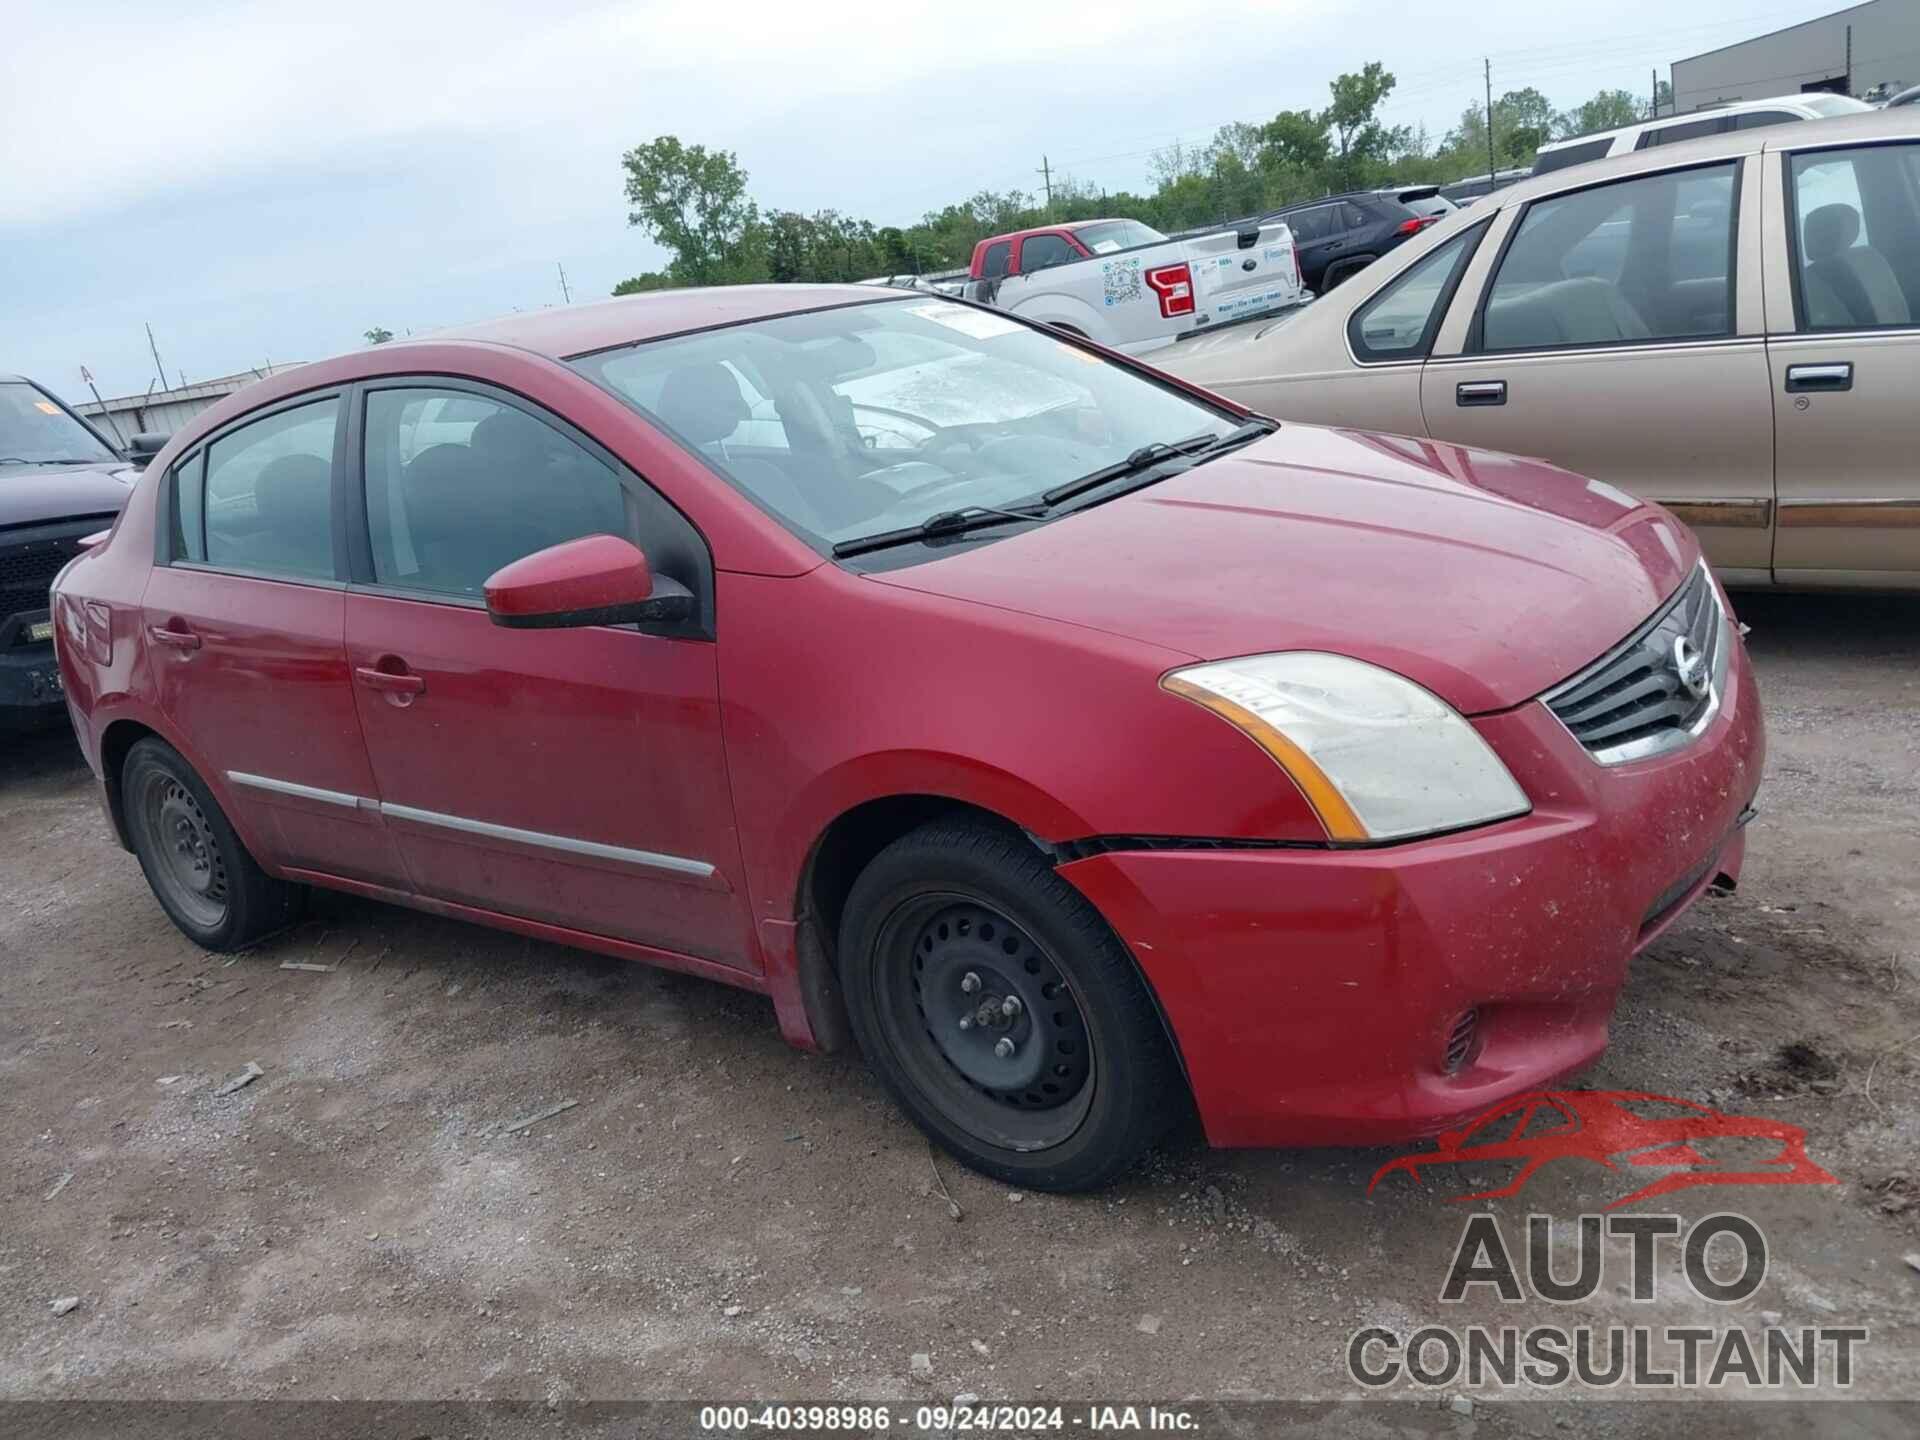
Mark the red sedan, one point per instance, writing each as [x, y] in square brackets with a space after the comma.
[1082, 745]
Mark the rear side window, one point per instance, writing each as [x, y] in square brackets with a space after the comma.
[459, 485]
[1644, 259]
[1353, 217]
[1755, 119]
[1399, 322]
[1039, 252]
[1567, 155]
[1310, 224]
[1674, 134]
[998, 256]
[267, 501]
[1856, 236]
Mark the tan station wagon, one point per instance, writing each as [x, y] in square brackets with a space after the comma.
[1729, 326]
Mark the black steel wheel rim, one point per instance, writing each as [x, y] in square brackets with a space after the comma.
[182, 850]
[984, 1021]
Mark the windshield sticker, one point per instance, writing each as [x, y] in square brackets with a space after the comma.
[46, 407]
[977, 323]
[1121, 279]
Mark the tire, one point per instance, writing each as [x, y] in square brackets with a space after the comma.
[199, 871]
[1063, 1092]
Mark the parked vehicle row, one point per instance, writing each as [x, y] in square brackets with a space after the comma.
[1090, 758]
[1131, 288]
[1729, 326]
[1340, 235]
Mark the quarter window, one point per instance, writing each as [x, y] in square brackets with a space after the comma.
[1643, 259]
[1856, 232]
[1398, 323]
[459, 485]
[267, 503]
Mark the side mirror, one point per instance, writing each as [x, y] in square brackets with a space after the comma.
[143, 447]
[595, 580]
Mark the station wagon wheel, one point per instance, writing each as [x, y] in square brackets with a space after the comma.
[200, 872]
[1001, 1012]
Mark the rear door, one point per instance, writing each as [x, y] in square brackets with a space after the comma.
[572, 777]
[1844, 350]
[1617, 336]
[1318, 237]
[243, 621]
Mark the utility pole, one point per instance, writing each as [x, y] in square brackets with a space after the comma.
[1653, 94]
[158, 367]
[1849, 89]
[565, 294]
[1046, 178]
[1492, 169]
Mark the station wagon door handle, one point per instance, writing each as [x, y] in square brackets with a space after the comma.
[173, 639]
[400, 688]
[1480, 392]
[1837, 376]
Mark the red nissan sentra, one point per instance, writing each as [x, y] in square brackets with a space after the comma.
[1083, 746]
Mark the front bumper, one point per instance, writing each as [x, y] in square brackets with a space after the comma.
[1312, 992]
[31, 694]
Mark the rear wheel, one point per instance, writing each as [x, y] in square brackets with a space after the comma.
[1002, 1013]
[1346, 270]
[201, 874]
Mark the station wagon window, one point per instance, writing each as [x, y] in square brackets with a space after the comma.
[459, 485]
[994, 265]
[267, 500]
[1039, 252]
[1756, 119]
[1549, 160]
[1649, 258]
[1674, 134]
[1856, 234]
[1399, 322]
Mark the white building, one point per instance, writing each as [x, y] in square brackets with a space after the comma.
[1855, 51]
[161, 412]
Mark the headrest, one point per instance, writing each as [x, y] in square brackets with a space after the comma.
[293, 492]
[703, 402]
[1831, 229]
[510, 440]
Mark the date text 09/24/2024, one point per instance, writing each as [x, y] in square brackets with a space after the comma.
[750, 1419]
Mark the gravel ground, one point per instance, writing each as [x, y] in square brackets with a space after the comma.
[717, 1216]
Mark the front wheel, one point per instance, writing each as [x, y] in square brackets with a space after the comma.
[201, 874]
[1001, 1011]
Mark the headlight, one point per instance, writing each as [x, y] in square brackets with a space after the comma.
[1377, 757]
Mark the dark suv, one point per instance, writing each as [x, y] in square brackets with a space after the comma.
[59, 481]
[1339, 235]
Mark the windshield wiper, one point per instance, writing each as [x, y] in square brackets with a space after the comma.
[947, 522]
[46, 460]
[1199, 447]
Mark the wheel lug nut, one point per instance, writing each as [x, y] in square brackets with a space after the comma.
[969, 983]
[966, 1022]
[1010, 1006]
[1003, 1047]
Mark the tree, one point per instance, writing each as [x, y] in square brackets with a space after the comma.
[695, 203]
[379, 335]
[1608, 110]
[1360, 142]
[639, 284]
[1294, 140]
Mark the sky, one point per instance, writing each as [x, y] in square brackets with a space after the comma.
[262, 181]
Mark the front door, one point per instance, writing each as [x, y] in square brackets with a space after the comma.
[1617, 337]
[1844, 347]
[243, 630]
[573, 777]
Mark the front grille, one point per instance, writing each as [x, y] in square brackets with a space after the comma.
[1635, 701]
[31, 555]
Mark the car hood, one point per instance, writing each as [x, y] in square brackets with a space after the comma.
[35, 494]
[1484, 577]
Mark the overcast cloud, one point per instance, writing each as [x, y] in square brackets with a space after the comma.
[261, 181]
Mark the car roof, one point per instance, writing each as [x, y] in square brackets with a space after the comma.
[569, 330]
[1732, 107]
[1834, 131]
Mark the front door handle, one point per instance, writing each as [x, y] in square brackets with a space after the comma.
[1835, 376]
[174, 639]
[392, 679]
[1480, 392]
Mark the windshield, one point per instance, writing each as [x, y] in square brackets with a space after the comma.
[875, 417]
[35, 431]
[1111, 235]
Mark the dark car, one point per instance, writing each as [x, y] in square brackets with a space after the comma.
[1420, 199]
[59, 482]
[1342, 234]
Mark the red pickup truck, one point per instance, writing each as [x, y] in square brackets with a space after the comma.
[1128, 286]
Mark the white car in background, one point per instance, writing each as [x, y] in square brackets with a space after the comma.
[1671, 129]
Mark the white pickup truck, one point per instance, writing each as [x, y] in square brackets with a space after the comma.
[1128, 286]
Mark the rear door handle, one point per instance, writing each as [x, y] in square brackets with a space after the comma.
[1836, 376]
[173, 639]
[1480, 392]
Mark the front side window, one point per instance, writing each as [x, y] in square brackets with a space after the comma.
[34, 432]
[1856, 231]
[1399, 322]
[886, 414]
[1039, 252]
[1643, 259]
[267, 504]
[459, 485]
